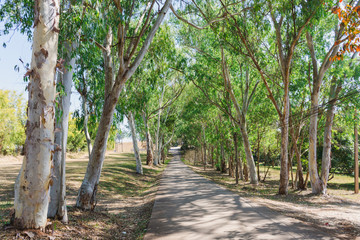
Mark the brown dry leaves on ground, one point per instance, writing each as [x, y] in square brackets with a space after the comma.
[338, 212]
[125, 200]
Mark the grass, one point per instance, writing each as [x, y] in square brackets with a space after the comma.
[125, 199]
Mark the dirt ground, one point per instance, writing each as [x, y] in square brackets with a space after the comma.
[334, 212]
[125, 200]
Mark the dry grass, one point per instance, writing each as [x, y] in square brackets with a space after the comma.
[337, 212]
[125, 200]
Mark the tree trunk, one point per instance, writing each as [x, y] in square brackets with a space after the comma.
[229, 158]
[212, 157]
[195, 151]
[57, 205]
[236, 158]
[56, 170]
[326, 154]
[86, 129]
[160, 148]
[299, 171]
[284, 172]
[249, 156]
[163, 157]
[33, 182]
[241, 114]
[291, 173]
[157, 136]
[87, 193]
[246, 172]
[316, 184]
[299, 178]
[204, 146]
[139, 168]
[258, 155]
[356, 155]
[223, 163]
[149, 153]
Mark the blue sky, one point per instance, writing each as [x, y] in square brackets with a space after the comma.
[18, 47]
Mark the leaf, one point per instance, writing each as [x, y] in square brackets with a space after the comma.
[30, 234]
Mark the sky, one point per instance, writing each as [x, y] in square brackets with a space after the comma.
[18, 47]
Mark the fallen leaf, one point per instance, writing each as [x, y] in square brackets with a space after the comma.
[30, 234]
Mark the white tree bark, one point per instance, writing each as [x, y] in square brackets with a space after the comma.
[86, 129]
[317, 185]
[57, 205]
[33, 182]
[241, 116]
[149, 151]
[157, 136]
[326, 154]
[139, 168]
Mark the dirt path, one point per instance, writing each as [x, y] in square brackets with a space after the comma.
[188, 206]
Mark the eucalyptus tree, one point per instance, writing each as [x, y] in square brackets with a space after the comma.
[129, 105]
[289, 23]
[135, 31]
[71, 18]
[89, 83]
[212, 69]
[328, 50]
[34, 180]
[196, 113]
[319, 69]
[131, 122]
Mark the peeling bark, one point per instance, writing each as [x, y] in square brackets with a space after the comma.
[33, 182]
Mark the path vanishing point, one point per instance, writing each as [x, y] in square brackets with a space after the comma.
[188, 206]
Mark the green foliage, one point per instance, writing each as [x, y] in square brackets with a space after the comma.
[12, 115]
[17, 15]
[342, 158]
[76, 138]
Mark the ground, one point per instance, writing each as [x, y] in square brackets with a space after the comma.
[339, 211]
[125, 200]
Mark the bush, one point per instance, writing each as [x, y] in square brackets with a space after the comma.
[76, 139]
[13, 117]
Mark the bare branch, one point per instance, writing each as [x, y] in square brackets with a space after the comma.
[147, 42]
[168, 103]
[215, 20]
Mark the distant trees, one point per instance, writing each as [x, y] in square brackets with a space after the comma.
[278, 54]
[13, 117]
